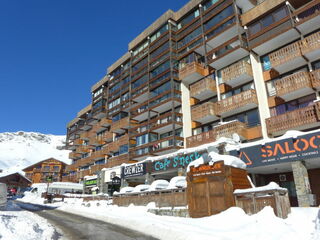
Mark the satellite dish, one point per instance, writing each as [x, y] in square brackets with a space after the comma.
[236, 137]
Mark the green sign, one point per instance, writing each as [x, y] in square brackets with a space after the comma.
[49, 179]
[91, 182]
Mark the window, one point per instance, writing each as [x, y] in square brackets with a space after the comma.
[56, 168]
[293, 105]
[268, 20]
[156, 35]
[219, 18]
[98, 92]
[188, 19]
[98, 104]
[194, 34]
[161, 89]
[123, 149]
[140, 81]
[114, 103]
[238, 90]
[119, 116]
[209, 4]
[251, 118]
[160, 69]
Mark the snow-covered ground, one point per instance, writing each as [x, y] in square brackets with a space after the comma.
[22, 149]
[302, 223]
[21, 225]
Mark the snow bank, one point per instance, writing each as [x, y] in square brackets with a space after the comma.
[141, 188]
[24, 225]
[270, 186]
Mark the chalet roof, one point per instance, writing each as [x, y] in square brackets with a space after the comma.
[37, 163]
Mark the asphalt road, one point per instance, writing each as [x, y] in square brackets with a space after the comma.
[74, 227]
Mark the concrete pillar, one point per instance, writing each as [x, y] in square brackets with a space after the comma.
[149, 179]
[124, 183]
[186, 111]
[261, 92]
[301, 180]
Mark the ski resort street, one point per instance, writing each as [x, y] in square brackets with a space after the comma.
[70, 226]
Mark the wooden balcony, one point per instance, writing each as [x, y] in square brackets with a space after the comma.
[315, 79]
[204, 113]
[108, 136]
[85, 135]
[97, 168]
[287, 58]
[192, 72]
[120, 125]
[310, 46]
[83, 173]
[237, 74]
[83, 149]
[117, 161]
[203, 89]
[238, 103]
[294, 86]
[74, 155]
[71, 168]
[300, 119]
[122, 140]
[225, 130]
[98, 155]
[164, 123]
[77, 141]
[70, 178]
[96, 141]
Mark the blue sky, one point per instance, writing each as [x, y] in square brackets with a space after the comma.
[53, 51]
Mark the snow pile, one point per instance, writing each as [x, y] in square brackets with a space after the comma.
[158, 185]
[22, 149]
[177, 182]
[216, 157]
[141, 188]
[270, 186]
[24, 225]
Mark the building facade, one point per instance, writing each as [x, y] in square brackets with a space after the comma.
[48, 170]
[243, 69]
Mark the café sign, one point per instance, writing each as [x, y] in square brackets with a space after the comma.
[179, 161]
[285, 150]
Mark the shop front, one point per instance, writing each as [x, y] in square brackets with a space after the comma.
[135, 173]
[110, 180]
[292, 161]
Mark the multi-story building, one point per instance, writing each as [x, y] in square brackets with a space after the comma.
[244, 69]
[48, 170]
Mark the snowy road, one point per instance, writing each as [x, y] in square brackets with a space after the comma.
[77, 227]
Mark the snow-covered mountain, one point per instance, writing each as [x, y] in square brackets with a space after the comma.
[21, 149]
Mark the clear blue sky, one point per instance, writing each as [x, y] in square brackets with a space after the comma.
[53, 51]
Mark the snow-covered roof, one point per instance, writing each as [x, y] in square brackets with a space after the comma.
[215, 157]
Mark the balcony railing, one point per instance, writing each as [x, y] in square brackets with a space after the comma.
[118, 160]
[285, 54]
[74, 155]
[120, 124]
[83, 173]
[70, 178]
[315, 78]
[237, 73]
[310, 43]
[85, 136]
[296, 119]
[194, 68]
[83, 149]
[204, 110]
[71, 168]
[237, 102]
[223, 130]
[293, 83]
[308, 11]
[98, 167]
[204, 85]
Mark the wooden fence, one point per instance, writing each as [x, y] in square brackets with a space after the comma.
[162, 198]
[253, 202]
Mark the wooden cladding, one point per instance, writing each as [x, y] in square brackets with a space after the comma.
[192, 68]
[237, 101]
[203, 85]
[292, 83]
[236, 70]
[74, 155]
[294, 119]
[203, 110]
[120, 124]
[117, 161]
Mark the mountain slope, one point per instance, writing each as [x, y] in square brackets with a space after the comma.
[21, 149]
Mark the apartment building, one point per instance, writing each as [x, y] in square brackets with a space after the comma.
[242, 69]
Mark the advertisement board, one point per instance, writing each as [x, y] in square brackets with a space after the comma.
[134, 170]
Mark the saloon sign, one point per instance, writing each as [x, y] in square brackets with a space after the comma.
[179, 161]
[286, 150]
